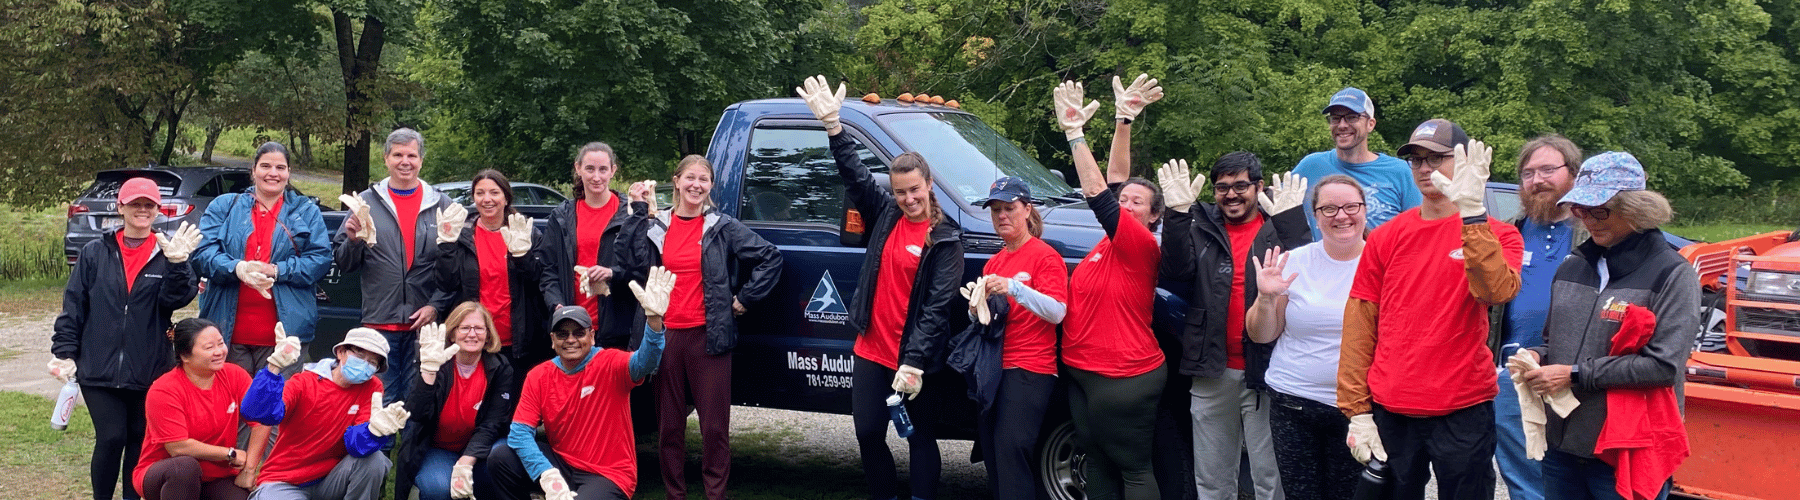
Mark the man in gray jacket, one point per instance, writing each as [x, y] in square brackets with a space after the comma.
[389, 237]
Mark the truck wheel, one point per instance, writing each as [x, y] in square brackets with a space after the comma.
[1060, 462]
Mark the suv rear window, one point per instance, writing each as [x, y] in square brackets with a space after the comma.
[107, 184]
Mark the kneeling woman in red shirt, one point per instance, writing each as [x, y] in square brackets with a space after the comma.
[487, 257]
[461, 404]
[193, 421]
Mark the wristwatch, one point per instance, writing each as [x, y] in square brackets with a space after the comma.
[230, 455]
[1574, 374]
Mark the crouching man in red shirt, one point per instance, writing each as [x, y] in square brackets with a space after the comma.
[332, 422]
[581, 399]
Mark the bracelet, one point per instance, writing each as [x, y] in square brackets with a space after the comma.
[1126, 121]
[1077, 141]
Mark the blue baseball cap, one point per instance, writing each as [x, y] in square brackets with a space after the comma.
[1008, 189]
[1352, 98]
[1605, 175]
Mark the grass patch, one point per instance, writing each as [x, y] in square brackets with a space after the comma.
[33, 250]
[1722, 232]
[41, 463]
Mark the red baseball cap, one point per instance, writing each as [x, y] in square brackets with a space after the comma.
[139, 187]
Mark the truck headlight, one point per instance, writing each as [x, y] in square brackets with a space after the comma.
[1774, 283]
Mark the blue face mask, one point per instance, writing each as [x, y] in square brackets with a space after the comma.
[356, 370]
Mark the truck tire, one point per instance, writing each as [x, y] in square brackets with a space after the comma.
[1059, 463]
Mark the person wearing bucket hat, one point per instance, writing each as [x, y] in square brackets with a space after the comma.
[110, 337]
[1387, 182]
[1621, 268]
[332, 422]
[1415, 366]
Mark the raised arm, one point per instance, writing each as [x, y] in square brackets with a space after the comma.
[1072, 116]
[1128, 102]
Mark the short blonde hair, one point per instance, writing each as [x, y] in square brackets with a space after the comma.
[461, 312]
[1642, 209]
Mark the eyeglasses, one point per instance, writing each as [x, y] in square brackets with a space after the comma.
[1433, 161]
[1347, 208]
[568, 334]
[1336, 118]
[1538, 172]
[1596, 213]
[472, 329]
[1240, 187]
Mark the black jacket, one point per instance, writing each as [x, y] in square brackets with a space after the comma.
[459, 275]
[1197, 263]
[735, 263]
[118, 338]
[620, 318]
[426, 402]
[934, 297]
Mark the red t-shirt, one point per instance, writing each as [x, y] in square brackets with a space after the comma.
[1112, 292]
[1431, 354]
[496, 283]
[457, 421]
[312, 433]
[681, 255]
[590, 229]
[255, 318]
[893, 292]
[586, 415]
[1242, 237]
[135, 258]
[1030, 341]
[406, 213]
[176, 410]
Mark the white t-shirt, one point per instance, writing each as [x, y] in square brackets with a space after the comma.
[1305, 361]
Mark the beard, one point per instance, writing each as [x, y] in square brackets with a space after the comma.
[1540, 202]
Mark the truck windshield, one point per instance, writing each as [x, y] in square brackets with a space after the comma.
[970, 155]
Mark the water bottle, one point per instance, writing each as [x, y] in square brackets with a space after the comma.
[903, 425]
[65, 405]
[1372, 483]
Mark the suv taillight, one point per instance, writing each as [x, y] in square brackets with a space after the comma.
[176, 210]
[76, 208]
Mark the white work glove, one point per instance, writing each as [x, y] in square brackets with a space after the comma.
[644, 191]
[450, 223]
[909, 380]
[555, 488]
[462, 481]
[287, 350]
[433, 350]
[1129, 101]
[1562, 402]
[823, 103]
[1179, 192]
[1469, 187]
[1290, 191]
[1071, 115]
[63, 369]
[977, 293]
[366, 223]
[517, 233]
[178, 246]
[1531, 411]
[1364, 441]
[386, 421]
[248, 274]
[590, 285]
[654, 294]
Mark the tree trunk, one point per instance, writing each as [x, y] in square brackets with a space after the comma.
[212, 139]
[359, 58]
[304, 150]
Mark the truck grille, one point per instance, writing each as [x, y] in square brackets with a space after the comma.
[1771, 321]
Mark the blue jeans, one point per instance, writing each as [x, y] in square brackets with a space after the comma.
[1524, 477]
[402, 364]
[433, 480]
[1569, 477]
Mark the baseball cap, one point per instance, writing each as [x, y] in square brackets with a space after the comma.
[139, 187]
[577, 314]
[1008, 189]
[1354, 99]
[1436, 135]
[367, 340]
[1605, 175]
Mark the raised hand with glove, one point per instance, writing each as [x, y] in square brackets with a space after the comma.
[1289, 189]
[555, 487]
[287, 350]
[249, 272]
[1129, 101]
[653, 295]
[1179, 191]
[433, 351]
[1364, 441]
[977, 293]
[644, 191]
[1071, 115]
[62, 369]
[1469, 189]
[176, 247]
[359, 224]
[517, 233]
[450, 223]
[823, 102]
[385, 421]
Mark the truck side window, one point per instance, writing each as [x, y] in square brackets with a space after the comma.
[790, 177]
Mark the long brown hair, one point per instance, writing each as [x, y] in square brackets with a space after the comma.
[915, 162]
[499, 180]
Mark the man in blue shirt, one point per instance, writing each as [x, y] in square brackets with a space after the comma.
[1547, 167]
[1387, 181]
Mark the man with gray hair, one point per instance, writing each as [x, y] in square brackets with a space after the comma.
[388, 236]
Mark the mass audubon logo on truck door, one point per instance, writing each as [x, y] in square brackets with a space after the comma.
[826, 305]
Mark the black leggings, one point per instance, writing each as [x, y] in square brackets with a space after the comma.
[1115, 419]
[1009, 430]
[118, 416]
[1309, 448]
[869, 390]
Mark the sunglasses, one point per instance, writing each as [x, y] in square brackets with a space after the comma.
[564, 334]
[1596, 213]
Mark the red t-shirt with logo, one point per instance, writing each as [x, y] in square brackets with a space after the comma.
[1112, 292]
[1242, 237]
[255, 318]
[496, 283]
[406, 213]
[135, 258]
[1431, 353]
[681, 255]
[176, 410]
[312, 433]
[457, 420]
[586, 415]
[1030, 342]
[590, 229]
[893, 292]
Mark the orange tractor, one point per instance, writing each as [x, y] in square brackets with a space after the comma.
[1743, 397]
